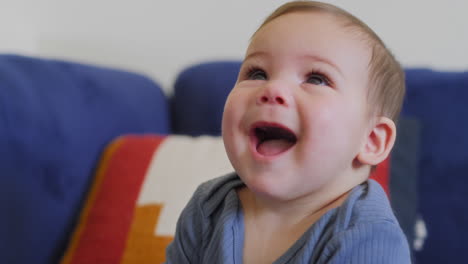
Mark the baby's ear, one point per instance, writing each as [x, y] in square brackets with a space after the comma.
[379, 142]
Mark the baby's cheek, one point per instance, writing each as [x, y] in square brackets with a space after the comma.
[329, 128]
[228, 114]
[232, 126]
[326, 118]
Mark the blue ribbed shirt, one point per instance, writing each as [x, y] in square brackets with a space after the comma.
[363, 230]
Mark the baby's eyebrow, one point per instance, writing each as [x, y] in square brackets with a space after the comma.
[322, 59]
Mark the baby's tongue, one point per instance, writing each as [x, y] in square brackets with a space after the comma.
[273, 147]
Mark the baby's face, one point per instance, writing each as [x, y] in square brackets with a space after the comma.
[297, 116]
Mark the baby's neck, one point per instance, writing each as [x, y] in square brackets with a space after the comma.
[303, 209]
[300, 212]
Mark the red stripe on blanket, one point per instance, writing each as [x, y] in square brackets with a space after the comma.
[115, 211]
[381, 175]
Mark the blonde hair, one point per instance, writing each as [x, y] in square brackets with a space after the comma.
[386, 77]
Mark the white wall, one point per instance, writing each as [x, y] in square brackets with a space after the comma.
[160, 38]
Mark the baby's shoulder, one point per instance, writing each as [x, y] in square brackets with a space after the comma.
[366, 204]
[366, 230]
[213, 194]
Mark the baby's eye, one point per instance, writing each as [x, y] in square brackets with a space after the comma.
[256, 74]
[317, 79]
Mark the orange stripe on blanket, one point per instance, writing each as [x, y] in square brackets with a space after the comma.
[90, 243]
[143, 246]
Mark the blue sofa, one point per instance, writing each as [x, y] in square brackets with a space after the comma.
[57, 117]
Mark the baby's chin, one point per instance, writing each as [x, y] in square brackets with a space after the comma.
[270, 185]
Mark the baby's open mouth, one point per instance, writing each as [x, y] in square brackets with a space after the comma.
[272, 139]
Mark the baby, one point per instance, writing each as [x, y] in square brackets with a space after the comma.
[312, 112]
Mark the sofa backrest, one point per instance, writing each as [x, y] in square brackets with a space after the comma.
[55, 119]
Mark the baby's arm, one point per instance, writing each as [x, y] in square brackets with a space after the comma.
[187, 239]
[380, 242]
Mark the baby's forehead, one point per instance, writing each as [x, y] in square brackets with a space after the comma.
[315, 34]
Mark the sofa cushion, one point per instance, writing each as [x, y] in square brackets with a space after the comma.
[439, 101]
[200, 92]
[55, 119]
[142, 185]
[404, 175]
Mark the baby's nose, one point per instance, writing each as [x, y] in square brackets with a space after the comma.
[273, 95]
[267, 99]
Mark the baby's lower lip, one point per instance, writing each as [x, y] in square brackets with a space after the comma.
[268, 151]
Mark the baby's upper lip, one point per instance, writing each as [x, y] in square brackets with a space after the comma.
[287, 132]
[260, 124]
